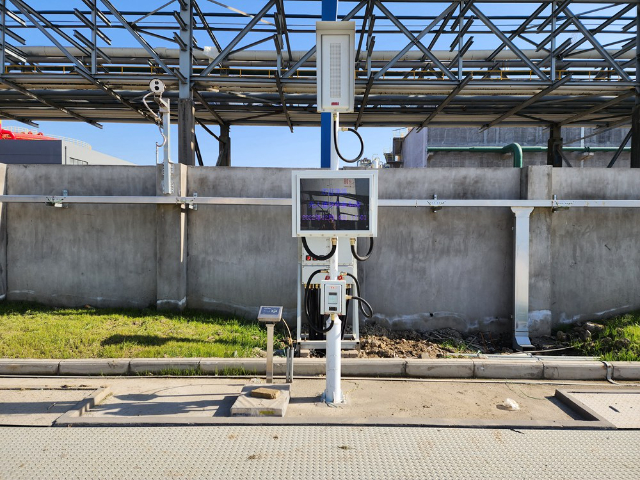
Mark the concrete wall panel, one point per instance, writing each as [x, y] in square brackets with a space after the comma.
[102, 255]
[595, 252]
[241, 257]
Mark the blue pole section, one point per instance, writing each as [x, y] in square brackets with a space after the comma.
[329, 13]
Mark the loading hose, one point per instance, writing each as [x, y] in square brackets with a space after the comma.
[361, 301]
[306, 306]
[355, 254]
[319, 257]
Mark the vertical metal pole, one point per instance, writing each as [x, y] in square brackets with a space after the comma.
[2, 37]
[521, 278]
[270, 352]
[299, 296]
[554, 158]
[94, 39]
[635, 116]
[186, 122]
[167, 183]
[224, 146]
[333, 391]
[553, 42]
[329, 13]
[460, 27]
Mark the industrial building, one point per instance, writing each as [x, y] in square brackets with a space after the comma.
[20, 145]
[506, 147]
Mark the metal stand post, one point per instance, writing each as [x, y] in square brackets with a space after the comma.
[521, 277]
[333, 391]
[270, 328]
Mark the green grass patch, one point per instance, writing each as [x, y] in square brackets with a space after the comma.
[34, 331]
[620, 340]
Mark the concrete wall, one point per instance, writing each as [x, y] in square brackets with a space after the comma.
[86, 254]
[428, 270]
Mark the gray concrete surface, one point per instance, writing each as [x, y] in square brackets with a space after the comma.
[508, 367]
[174, 400]
[100, 255]
[22, 404]
[429, 270]
[295, 452]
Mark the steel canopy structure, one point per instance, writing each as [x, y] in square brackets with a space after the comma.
[418, 63]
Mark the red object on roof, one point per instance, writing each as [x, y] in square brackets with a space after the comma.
[28, 135]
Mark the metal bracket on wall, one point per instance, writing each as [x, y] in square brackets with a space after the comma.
[190, 202]
[558, 205]
[58, 201]
[436, 205]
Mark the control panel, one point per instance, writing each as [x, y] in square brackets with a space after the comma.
[334, 299]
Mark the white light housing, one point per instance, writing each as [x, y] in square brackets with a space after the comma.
[335, 62]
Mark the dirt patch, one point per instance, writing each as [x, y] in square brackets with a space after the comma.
[377, 341]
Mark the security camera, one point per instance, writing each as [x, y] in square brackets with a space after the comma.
[157, 86]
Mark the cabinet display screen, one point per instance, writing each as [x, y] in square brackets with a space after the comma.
[334, 204]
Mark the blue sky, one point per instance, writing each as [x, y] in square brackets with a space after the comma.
[253, 146]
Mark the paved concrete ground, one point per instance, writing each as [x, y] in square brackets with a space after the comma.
[316, 452]
[367, 399]
[395, 448]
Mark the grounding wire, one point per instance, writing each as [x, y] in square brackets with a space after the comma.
[358, 257]
[318, 257]
[335, 144]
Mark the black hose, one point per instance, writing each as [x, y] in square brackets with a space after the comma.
[306, 306]
[318, 257]
[366, 257]
[360, 299]
[335, 144]
[364, 302]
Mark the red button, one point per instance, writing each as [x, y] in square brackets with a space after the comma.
[308, 258]
[327, 277]
[339, 277]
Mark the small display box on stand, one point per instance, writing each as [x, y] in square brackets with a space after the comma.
[270, 316]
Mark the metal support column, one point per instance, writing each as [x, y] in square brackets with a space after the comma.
[224, 145]
[329, 13]
[521, 279]
[635, 116]
[186, 111]
[3, 26]
[554, 145]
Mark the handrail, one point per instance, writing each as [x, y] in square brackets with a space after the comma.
[287, 202]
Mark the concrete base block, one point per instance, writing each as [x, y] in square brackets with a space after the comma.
[508, 369]
[462, 368]
[101, 366]
[163, 365]
[9, 366]
[248, 406]
[373, 367]
[626, 370]
[568, 370]
[234, 366]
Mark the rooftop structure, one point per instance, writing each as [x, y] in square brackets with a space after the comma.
[481, 63]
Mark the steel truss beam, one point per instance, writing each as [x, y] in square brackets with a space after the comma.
[526, 103]
[48, 103]
[391, 87]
